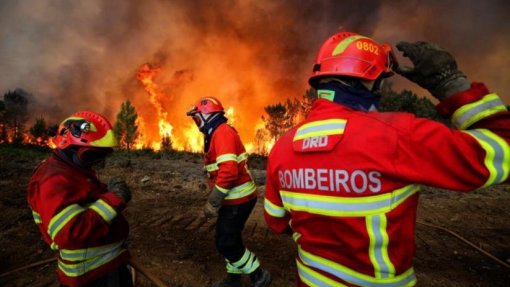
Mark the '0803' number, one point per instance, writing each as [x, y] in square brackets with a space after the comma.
[367, 46]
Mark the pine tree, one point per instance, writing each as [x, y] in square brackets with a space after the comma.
[407, 101]
[262, 137]
[277, 120]
[125, 127]
[16, 113]
[3, 126]
[38, 131]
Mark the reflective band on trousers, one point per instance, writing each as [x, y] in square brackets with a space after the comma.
[471, 113]
[78, 269]
[320, 128]
[351, 276]
[240, 191]
[89, 253]
[226, 157]
[273, 209]
[497, 155]
[346, 206]
[246, 265]
[58, 221]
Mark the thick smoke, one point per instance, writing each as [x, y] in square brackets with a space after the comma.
[74, 55]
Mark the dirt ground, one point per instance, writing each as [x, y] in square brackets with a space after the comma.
[169, 237]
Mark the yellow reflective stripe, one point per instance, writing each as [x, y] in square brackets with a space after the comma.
[242, 190]
[243, 259]
[223, 190]
[241, 157]
[212, 167]
[378, 249]
[273, 209]
[78, 269]
[296, 236]
[342, 45]
[320, 128]
[54, 246]
[58, 221]
[315, 279]
[88, 253]
[104, 210]
[351, 276]
[471, 113]
[108, 140]
[246, 265]
[226, 157]
[37, 217]
[497, 155]
[233, 270]
[346, 206]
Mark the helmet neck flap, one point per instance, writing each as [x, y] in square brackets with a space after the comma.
[349, 93]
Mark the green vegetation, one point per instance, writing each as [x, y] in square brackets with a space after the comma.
[125, 128]
[13, 152]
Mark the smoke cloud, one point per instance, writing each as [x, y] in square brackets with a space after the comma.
[75, 55]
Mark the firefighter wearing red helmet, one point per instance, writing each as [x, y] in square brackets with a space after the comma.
[345, 181]
[233, 192]
[79, 216]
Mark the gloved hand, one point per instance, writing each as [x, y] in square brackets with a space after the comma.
[118, 186]
[214, 202]
[210, 211]
[434, 69]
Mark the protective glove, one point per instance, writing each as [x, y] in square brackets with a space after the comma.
[118, 186]
[214, 202]
[434, 69]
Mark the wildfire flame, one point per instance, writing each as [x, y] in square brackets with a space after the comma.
[146, 75]
[192, 139]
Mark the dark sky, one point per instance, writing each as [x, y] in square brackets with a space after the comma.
[73, 55]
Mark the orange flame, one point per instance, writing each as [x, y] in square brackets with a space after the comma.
[146, 75]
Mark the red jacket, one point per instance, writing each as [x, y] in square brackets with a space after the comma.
[346, 183]
[226, 164]
[80, 219]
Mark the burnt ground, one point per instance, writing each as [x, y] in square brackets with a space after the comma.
[169, 237]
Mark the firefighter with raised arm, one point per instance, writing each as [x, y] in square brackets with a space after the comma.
[345, 181]
[79, 216]
[233, 192]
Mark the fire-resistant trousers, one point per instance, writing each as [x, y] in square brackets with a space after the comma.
[229, 228]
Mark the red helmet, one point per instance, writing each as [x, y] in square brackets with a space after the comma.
[85, 129]
[353, 55]
[207, 105]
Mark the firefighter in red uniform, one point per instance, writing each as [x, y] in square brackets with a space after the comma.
[345, 181]
[233, 192]
[78, 216]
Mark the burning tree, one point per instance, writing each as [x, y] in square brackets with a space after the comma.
[3, 127]
[15, 114]
[166, 143]
[125, 128]
[262, 142]
[38, 132]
